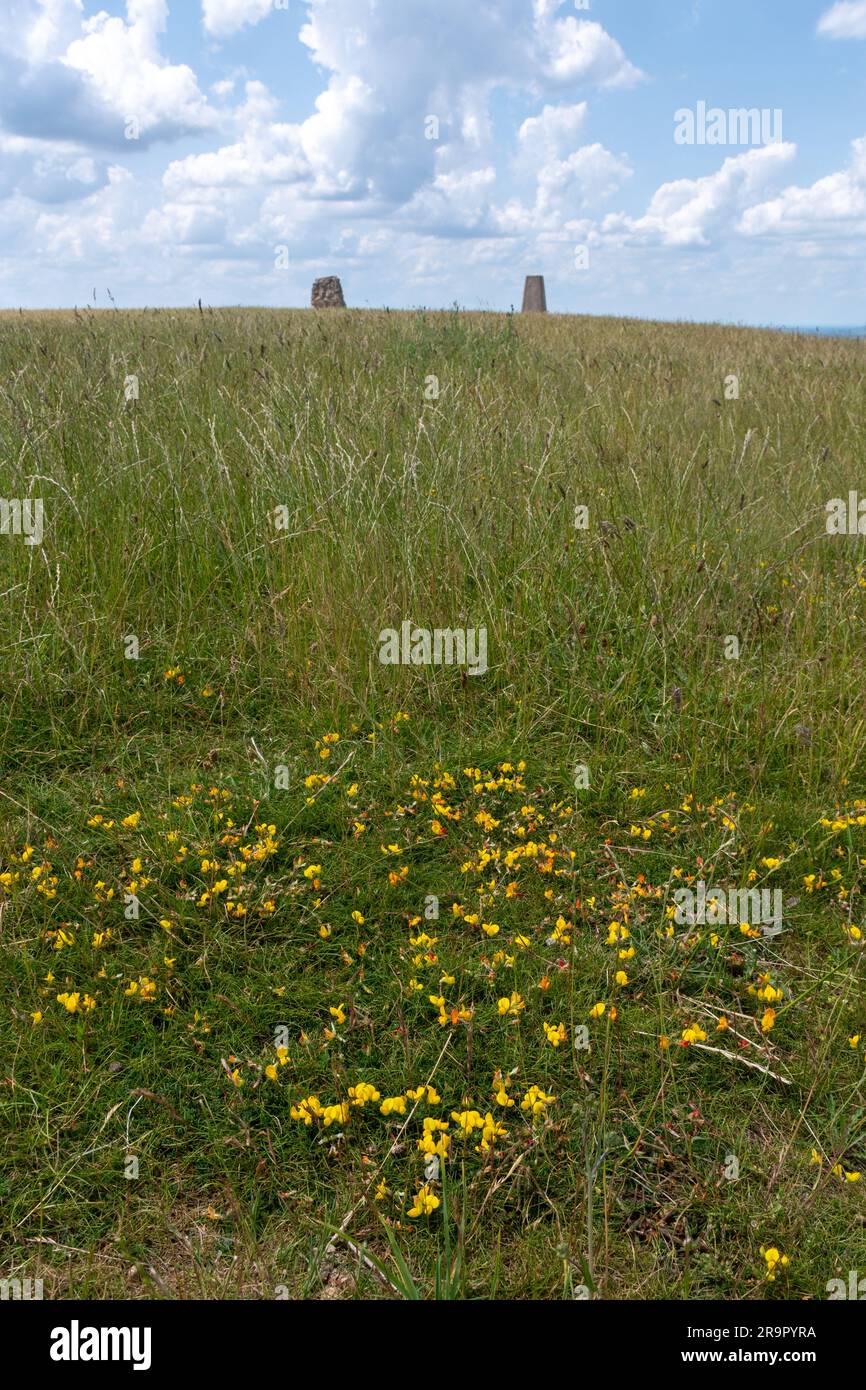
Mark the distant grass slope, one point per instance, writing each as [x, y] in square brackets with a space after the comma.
[156, 1138]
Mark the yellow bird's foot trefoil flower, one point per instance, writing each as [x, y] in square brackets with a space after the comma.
[775, 1260]
[425, 1202]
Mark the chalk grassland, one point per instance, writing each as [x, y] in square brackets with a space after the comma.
[284, 808]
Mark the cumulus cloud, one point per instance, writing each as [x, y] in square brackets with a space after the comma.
[392, 68]
[185, 224]
[123, 66]
[844, 20]
[393, 62]
[355, 176]
[587, 176]
[835, 204]
[455, 204]
[68, 79]
[688, 212]
[96, 229]
[547, 135]
[266, 152]
[563, 187]
[579, 50]
[224, 17]
[52, 178]
[568, 177]
[46, 175]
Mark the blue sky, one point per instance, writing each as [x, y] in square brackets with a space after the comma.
[233, 150]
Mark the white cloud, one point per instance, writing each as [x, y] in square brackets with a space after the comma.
[350, 182]
[247, 164]
[835, 204]
[548, 135]
[359, 165]
[44, 174]
[579, 50]
[125, 69]
[391, 65]
[454, 204]
[394, 62]
[47, 31]
[588, 176]
[844, 20]
[690, 212]
[267, 152]
[185, 224]
[69, 80]
[563, 188]
[98, 226]
[567, 180]
[222, 18]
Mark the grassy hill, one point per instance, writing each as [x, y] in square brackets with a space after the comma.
[255, 883]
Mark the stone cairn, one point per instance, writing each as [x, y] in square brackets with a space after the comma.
[328, 293]
[534, 298]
